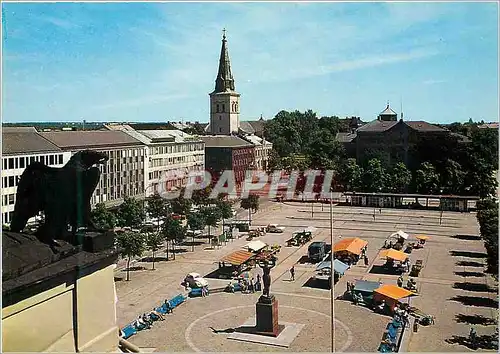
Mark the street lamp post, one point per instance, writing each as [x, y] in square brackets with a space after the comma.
[332, 292]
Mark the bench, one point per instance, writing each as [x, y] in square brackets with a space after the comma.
[196, 292]
[128, 331]
[177, 300]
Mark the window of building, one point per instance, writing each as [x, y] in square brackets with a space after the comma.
[12, 181]
[11, 199]
[220, 130]
[217, 108]
[22, 163]
[51, 159]
[223, 108]
[11, 163]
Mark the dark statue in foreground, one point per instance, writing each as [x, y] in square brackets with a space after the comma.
[266, 265]
[62, 194]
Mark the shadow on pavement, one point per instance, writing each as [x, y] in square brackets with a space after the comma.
[470, 264]
[192, 243]
[150, 259]
[227, 330]
[470, 274]
[134, 268]
[379, 269]
[468, 254]
[475, 301]
[467, 237]
[482, 288]
[475, 319]
[482, 342]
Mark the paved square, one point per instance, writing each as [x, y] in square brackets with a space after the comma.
[284, 339]
[452, 286]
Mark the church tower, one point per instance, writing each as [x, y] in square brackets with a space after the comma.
[224, 100]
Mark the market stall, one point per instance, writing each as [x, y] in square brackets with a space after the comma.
[348, 250]
[235, 263]
[366, 288]
[392, 256]
[391, 294]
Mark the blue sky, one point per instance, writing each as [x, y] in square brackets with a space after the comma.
[158, 61]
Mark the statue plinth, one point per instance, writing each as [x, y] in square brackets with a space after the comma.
[267, 317]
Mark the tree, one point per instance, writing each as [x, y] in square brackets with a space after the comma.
[350, 174]
[452, 177]
[324, 150]
[201, 196]
[153, 242]
[173, 231]
[211, 215]
[487, 217]
[225, 210]
[251, 204]
[374, 176]
[426, 179]
[180, 205]
[196, 221]
[130, 213]
[157, 208]
[131, 244]
[103, 218]
[481, 179]
[400, 178]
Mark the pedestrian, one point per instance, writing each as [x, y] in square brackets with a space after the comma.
[380, 210]
[251, 286]
[373, 216]
[366, 260]
[400, 281]
[348, 286]
[292, 273]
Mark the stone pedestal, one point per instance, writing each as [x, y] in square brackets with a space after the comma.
[267, 317]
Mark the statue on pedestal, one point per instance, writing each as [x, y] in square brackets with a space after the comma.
[266, 265]
[62, 194]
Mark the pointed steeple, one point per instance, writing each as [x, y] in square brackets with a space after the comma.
[224, 81]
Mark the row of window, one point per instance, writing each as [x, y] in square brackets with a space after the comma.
[9, 199]
[11, 163]
[176, 160]
[125, 153]
[158, 174]
[172, 149]
[10, 181]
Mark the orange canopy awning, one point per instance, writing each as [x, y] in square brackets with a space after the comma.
[393, 254]
[352, 245]
[393, 291]
[422, 237]
[238, 257]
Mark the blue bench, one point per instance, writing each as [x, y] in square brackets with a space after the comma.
[196, 292]
[128, 331]
[177, 300]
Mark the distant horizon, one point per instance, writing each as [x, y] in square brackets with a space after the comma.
[137, 62]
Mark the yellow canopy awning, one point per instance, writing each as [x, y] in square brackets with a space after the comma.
[393, 291]
[393, 254]
[422, 237]
[352, 245]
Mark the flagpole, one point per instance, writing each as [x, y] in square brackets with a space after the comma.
[332, 297]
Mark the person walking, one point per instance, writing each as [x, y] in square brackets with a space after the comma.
[366, 260]
[292, 273]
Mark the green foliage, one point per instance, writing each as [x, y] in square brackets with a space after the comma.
[481, 179]
[452, 177]
[374, 176]
[157, 206]
[487, 217]
[426, 179]
[225, 209]
[130, 244]
[103, 218]
[154, 241]
[180, 205]
[399, 179]
[250, 203]
[196, 221]
[350, 174]
[202, 196]
[211, 215]
[173, 231]
[131, 213]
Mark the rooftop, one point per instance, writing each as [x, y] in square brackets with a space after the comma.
[224, 141]
[25, 140]
[88, 139]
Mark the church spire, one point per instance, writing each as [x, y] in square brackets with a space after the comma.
[224, 81]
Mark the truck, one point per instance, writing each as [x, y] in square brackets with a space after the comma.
[316, 251]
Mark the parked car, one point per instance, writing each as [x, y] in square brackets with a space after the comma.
[274, 228]
[316, 251]
[194, 280]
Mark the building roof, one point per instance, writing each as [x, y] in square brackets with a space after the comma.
[394, 254]
[246, 127]
[25, 140]
[420, 125]
[366, 286]
[345, 137]
[224, 81]
[224, 141]
[377, 126]
[257, 125]
[493, 125]
[388, 111]
[177, 136]
[91, 138]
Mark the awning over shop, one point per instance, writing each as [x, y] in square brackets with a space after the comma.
[324, 265]
[339, 267]
[351, 245]
[400, 234]
[393, 254]
[255, 246]
[366, 286]
[238, 257]
[393, 292]
[422, 237]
